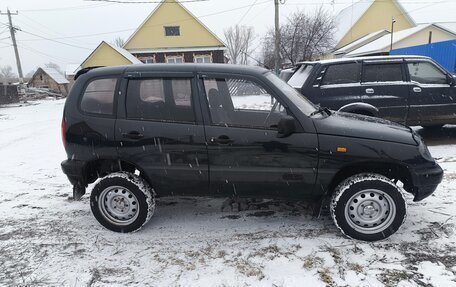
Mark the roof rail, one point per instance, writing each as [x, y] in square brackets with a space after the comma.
[85, 70]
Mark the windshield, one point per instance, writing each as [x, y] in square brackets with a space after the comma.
[300, 77]
[299, 100]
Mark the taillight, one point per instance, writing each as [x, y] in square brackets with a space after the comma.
[64, 132]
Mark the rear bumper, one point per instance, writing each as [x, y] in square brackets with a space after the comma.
[426, 180]
[74, 170]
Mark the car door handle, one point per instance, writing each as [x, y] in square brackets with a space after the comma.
[417, 89]
[134, 135]
[370, 91]
[223, 140]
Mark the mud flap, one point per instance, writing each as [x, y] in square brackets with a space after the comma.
[78, 191]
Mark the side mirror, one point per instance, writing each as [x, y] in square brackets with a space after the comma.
[286, 127]
[452, 81]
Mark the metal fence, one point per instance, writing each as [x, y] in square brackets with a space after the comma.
[443, 53]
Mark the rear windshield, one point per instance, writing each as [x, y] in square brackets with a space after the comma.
[300, 77]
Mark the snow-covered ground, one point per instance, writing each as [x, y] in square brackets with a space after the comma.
[47, 239]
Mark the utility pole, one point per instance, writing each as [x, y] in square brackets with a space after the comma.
[277, 39]
[392, 32]
[13, 38]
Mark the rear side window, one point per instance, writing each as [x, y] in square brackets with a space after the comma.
[300, 76]
[160, 99]
[341, 74]
[98, 97]
[426, 73]
[382, 73]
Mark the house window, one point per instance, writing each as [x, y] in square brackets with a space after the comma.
[175, 59]
[149, 61]
[202, 58]
[172, 31]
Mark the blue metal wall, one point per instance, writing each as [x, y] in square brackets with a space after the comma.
[442, 52]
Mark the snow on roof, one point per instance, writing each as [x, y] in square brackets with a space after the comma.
[55, 75]
[125, 53]
[384, 42]
[349, 16]
[364, 40]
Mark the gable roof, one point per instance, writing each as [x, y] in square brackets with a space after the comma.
[55, 75]
[217, 40]
[122, 52]
[361, 41]
[349, 16]
[384, 42]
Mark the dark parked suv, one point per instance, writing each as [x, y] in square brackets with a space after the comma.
[224, 130]
[411, 90]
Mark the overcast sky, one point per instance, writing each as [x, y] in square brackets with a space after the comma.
[80, 25]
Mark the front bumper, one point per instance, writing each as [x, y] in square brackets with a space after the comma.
[425, 181]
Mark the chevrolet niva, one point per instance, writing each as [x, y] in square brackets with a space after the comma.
[142, 131]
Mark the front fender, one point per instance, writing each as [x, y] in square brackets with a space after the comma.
[360, 108]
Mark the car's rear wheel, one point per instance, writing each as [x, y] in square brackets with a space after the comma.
[368, 207]
[122, 202]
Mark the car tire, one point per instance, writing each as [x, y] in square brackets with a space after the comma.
[368, 207]
[122, 202]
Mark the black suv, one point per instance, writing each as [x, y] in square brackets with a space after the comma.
[228, 130]
[411, 90]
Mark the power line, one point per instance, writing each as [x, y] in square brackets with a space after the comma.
[71, 8]
[56, 41]
[161, 24]
[53, 34]
[144, 2]
[247, 12]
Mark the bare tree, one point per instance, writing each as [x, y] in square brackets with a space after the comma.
[303, 37]
[239, 41]
[6, 73]
[119, 42]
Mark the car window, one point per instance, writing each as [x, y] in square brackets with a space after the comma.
[300, 76]
[98, 97]
[426, 73]
[241, 103]
[160, 99]
[382, 73]
[341, 74]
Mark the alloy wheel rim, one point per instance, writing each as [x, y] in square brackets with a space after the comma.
[118, 205]
[370, 211]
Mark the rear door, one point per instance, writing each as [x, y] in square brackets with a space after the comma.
[384, 86]
[432, 99]
[338, 85]
[245, 155]
[161, 132]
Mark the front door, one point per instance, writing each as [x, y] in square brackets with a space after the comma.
[432, 99]
[384, 86]
[246, 157]
[161, 134]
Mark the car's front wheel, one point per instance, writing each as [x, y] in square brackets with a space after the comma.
[122, 202]
[368, 207]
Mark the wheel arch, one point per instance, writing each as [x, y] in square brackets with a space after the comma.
[101, 167]
[392, 171]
